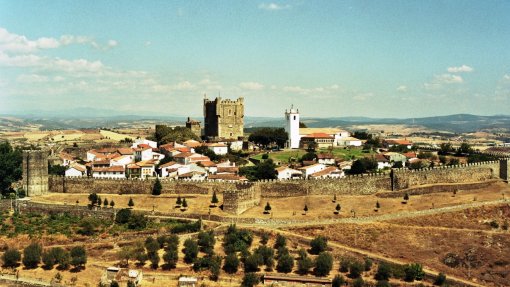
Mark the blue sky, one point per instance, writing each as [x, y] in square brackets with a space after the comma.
[329, 58]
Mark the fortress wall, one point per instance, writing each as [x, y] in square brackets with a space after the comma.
[350, 185]
[240, 199]
[403, 178]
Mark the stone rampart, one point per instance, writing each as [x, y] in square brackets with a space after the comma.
[238, 200]
[476, 172]
[351, 185]
[81, 211]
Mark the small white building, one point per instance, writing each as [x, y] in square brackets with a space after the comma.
[326, 158]
[218, 148]
[292, 127]
[122, 160]
[382, 161]
[92, 155]
[329, 172]
[349, 141]
[143, 153]
[188, 282]
[148, 168]
[138, 142]
[285, 172]
[311, 169]
[76, 170]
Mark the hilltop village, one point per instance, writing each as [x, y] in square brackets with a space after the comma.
[216, 203]
[212, 152]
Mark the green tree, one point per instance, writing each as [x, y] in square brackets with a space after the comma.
[413, 272]
[112, 204]
[214, 199]
[88, 226]
[10, 166]
[267, 209]
[123, 216]
[264, 238]
[305, 209]
[178, 202]
[154, 259]
[250, 280]
[262, 170]
[281, 241]
[78, 256]
[131, 203]
[323, 264]
[445, 148]
[32, 255]
[358, 282]
[464, 149]
[406, 196]
[368, 264]
[363, 165]
[377, 205]
[157, 187]
[344, 264]
[105, 202]
[304, 263]
[190, 250]
[231, 263]
[269, 136]
[252, 262]
[355, 269]
[206, 241]
[165, 134]
[184, 203]
[338, 208]
[382, 283]
[338, 281]
[318, 244]
[114, 284]
[440, 279]
[93, 198]
[11, 258]
[215, 267]
[285, 264]
[137, 221]
[383, 272]
[171, 256]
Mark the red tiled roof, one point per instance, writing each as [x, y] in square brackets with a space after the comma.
[380, 158]
[114, 168]
[133, 166]
[125, 151]
[410, 154]
[79, 167]
[319, 136]
[67, 156]
[325, 171]
[398, 141]
[183, 155]
[106, 150]
[207, 163]
[325, 156]
[230, 169]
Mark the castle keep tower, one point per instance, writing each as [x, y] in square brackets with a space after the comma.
[292, 127]
[35, 172]
[194, 126]
[223, 118]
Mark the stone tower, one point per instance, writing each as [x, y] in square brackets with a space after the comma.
[292, 127]
[194, 126]
[223, 118]
[504, 170]
[35, 172]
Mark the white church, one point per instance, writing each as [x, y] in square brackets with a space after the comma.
[323, 137]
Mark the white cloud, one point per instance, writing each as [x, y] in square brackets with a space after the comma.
[273, 6]
[18, 44]
[253, 86]
[147, 43]
[506, 77]
[402, 89]
[32, 78]
[461, 69]
[448, 79]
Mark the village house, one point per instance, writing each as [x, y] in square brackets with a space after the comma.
[382, 161]
[76, 170]
[143, 152]
[122, 160]
[66, 158]
[192, 144]
[336, 133]
[133, 171]
[320, 140]
[349, 141]
[144, 142]
[326, 158]
[394, 157]
[108, 172]
[209, 166]
[328, 172]
[218, 148]
[396, 142]
[148, 168]
[285, 172]
[311, 169]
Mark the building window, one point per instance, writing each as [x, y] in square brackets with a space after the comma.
[229, 112]
[294, 117]
[231, 134]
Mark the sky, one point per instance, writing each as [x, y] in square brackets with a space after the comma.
[328, 58]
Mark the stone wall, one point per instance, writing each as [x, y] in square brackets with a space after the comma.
[350, 185]
[404, 178]
[243, 197]
[81, 211]
[504, 170]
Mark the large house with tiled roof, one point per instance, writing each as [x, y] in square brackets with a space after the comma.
[321, 140]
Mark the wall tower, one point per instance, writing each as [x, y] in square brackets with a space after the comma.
[223, 118]
[35, 172]
[292, 127]
[194, 126]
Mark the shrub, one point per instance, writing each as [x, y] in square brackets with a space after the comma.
[250, 280]
[281, 241]
[338, 281]
[358, 282]
[383, 272]
[355, 269]
[11, 258]
[368, 264]
[413, 272]
[123, 216]
[440, 279]
[131, 203]
[170, 257]
[156, 188]
[214, 199]
[318, 244]
[78, 256]
[137, 221]
[32, 255]
[344, 264]
[304, 265]
[383, 283]
[206, 241]
[190, 250]
[231, 263]
[285, 263]
[323, 264]
[252, 262]
[264, 238]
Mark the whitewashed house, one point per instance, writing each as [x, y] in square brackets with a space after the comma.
[76, 170]
[329, 172]
[218, 148]
[311, 169]
[285, 172]
[143, 153]
[150, 143]
[109, 172]
[122, 160]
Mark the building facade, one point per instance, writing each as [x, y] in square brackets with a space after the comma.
[223, 118]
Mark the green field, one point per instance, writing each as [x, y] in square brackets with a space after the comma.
[284, 155]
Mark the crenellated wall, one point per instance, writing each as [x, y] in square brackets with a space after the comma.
[476, 172]
[350, 185]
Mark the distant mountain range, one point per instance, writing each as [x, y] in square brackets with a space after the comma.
[96, 118]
